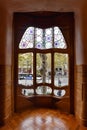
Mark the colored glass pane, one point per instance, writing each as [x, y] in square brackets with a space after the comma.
[59, 41]
[27, 39]
[38, 38]
[48, 38]
[42, 38]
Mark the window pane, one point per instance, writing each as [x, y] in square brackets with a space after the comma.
[27, 40]
[25, 69]
[39, 38]
[61, 69]
[48, 38]
[43, 90]
[42, 38]
[59, 93]
[59, 41]
[27, 92]
[43, 68]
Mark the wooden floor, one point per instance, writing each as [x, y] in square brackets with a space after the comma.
[43, 119]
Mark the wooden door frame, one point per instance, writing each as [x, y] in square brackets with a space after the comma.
[23, 20]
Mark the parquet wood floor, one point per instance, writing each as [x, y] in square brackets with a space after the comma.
[43, 119]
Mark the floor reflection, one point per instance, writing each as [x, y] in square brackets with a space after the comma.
[44, 123]
[43, 119]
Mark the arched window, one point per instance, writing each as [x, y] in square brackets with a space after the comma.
[43, 62]
[42, 38]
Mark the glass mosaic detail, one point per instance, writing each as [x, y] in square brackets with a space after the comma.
[59, 41]
[48, 38]
[27, 39]
[39, 38]
[42, 38]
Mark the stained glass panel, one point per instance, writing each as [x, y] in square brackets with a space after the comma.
[48, 38]
[39, 38]
[59, 41]
[42, 38]
[27, 40]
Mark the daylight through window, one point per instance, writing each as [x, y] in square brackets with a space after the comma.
[43, 65]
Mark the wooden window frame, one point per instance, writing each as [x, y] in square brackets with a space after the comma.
[56, 20]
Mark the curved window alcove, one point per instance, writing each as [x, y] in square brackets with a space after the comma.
[43, 56]
[43, 62]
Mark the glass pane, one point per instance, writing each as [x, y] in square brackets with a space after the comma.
[43, 90]
[43, 68]
[61, 69]
[39, 38]
[48, 38]
[25, 69]
[43, 38]
[27, 92]
[27, 39]
[59, 41]
[59, 93]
